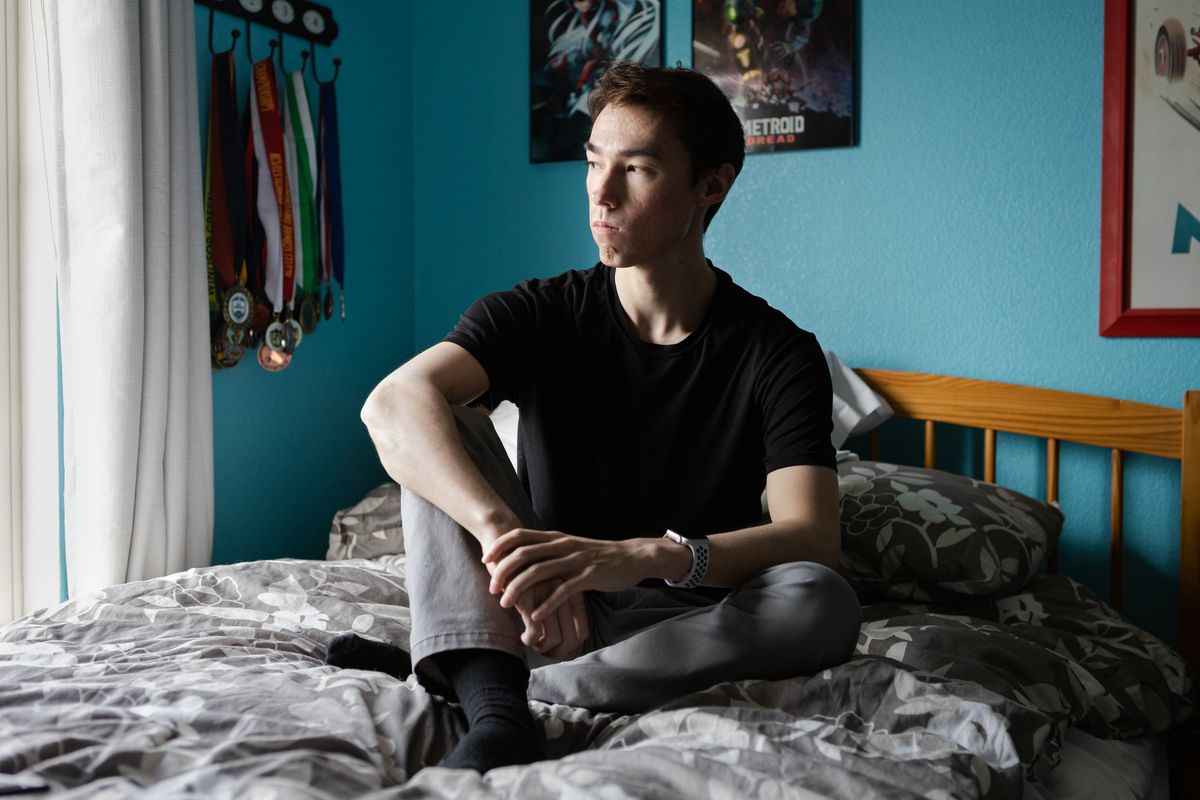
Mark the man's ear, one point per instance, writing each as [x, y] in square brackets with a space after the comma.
[715, 185]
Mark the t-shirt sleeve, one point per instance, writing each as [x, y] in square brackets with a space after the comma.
[796, 396]
[499, 330]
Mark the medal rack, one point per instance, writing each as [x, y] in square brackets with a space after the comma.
[299, 18]
[245, 316]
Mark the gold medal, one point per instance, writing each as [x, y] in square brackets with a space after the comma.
[310, 313]
[237, 306]
[272, 360]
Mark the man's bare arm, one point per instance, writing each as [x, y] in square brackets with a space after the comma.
[411, 423]
[804, 527]
[804, 511]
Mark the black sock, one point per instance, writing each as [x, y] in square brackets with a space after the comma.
[351, 651]
[493, 688]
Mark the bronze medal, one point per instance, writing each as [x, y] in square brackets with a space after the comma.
[226, 353]
[310, 313]
[328, 303]
[272, 360]
[237, 306]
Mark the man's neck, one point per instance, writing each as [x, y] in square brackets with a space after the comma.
[666, 302]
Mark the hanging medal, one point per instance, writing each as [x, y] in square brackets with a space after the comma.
[293, 330]
[274, 208]
[299, 134]
[224, 221]
[330, 193]
[237, 302]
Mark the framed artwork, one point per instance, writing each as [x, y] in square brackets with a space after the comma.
[787, 66]
[1150, 207]
[570, 43]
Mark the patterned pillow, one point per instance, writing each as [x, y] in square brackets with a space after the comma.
[920, 534]
[369, 528]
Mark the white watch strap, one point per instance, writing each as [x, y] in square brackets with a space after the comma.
[699, 548]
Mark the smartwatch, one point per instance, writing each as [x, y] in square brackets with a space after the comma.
[699, 547]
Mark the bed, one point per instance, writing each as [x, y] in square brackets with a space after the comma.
[980, 671]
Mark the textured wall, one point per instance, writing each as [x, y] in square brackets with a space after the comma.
[289, 447]
[960, 236]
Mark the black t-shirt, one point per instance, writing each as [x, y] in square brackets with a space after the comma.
[621, 438]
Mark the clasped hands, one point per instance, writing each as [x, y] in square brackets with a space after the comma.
[543, 574]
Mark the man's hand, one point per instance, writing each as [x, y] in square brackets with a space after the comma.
[562, 634]
[524, 560]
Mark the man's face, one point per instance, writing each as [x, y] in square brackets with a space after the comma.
[641, 200]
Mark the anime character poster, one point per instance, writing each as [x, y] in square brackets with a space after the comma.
[787, 66]
[571, 43]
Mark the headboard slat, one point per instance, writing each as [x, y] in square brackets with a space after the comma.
[1116, 572]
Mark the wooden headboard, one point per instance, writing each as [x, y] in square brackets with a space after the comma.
[1056, 416]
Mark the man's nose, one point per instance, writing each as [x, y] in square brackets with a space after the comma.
[604, 190]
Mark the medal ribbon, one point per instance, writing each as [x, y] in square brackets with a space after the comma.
[301, 157]
[274, 196]
[330, 186]
[231, 166]
[218, 249]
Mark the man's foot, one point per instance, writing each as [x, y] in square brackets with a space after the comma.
[492, 687]
[351, 651]
[497, 742]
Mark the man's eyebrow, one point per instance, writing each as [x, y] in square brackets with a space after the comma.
[642, 152]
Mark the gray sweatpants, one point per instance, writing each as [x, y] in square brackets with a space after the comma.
[645, 645]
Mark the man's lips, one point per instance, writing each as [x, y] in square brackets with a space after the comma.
[604, 227]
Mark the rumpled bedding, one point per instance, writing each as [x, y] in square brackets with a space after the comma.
[210, 683]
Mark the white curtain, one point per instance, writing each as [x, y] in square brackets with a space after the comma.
[120, 133]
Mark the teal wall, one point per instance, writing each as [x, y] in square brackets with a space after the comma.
[289, 448]
[960, 236]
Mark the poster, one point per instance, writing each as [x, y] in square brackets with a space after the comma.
[1165, 173]
[787, 66]
[571, 42]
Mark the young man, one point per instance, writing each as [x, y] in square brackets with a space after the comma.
[655, 395]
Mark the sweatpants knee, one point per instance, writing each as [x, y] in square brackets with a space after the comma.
[815, 615]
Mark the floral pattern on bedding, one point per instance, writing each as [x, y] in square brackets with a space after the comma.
[210, 683]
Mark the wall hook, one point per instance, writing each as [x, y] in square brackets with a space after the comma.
[236, 33]
[337, 68]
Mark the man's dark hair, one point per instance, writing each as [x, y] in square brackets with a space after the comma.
[700, 113]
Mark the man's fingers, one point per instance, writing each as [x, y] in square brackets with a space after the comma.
[520, 559]
[569, 587]
[553, 570]
[552, 637]
[514, 538]
[579, 615]
[569, 629]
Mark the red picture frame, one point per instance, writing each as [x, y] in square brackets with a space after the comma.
[1117, 318]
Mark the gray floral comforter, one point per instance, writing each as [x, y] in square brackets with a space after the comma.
[209, 683]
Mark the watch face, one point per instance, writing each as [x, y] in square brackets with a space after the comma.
[283, 11]
[313, 22]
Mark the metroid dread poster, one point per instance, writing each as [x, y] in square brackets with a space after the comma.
[787, 66]
[571, 43]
